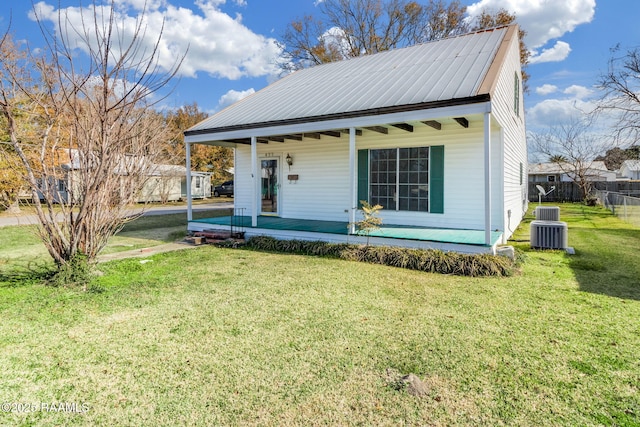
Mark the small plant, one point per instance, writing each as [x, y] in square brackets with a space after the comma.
[77, 271]
[370, 220]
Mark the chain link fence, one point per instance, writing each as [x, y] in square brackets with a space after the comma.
[627, 208]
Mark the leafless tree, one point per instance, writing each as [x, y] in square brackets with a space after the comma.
[572, 146]
[621, 95]
[83, 126]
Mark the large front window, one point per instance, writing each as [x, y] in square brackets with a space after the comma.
[399, 178]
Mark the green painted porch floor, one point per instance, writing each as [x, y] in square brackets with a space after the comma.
[443, 235]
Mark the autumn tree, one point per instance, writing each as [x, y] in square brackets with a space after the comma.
[206, 158]
[352, 28]
[489, 19]
[86, 121]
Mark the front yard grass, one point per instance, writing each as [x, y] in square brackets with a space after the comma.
[216, 336]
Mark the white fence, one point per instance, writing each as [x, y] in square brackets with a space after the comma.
[626, 208]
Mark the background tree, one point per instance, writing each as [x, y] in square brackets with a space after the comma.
[573, 147]
[94, 114]
[614, 157]
[488, 19]
[206, 158]
[621, 95]
[351, 28]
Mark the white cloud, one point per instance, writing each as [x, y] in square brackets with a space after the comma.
[546, 89]
[559, 52]
[217, 43]
[543, 20]
[578, 92]
[234, 96]
[552, 112]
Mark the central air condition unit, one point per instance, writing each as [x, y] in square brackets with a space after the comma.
[549, 235]
[548, 213]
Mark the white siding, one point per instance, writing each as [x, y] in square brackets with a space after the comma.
[513, 147]
[322, 190]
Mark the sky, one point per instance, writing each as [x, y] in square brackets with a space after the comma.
[233, 44]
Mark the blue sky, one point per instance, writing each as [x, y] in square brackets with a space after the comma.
[232, 44]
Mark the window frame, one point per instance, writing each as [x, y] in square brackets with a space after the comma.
[398, 183]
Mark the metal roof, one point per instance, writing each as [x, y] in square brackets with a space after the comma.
[443, 70]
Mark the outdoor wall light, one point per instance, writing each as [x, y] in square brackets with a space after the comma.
[289, 160]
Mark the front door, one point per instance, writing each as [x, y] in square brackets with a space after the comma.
[270, 186]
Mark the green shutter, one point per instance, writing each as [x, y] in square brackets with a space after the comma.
[363, 175]
[436, 188]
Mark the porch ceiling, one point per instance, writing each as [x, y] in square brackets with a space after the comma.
[337, 133]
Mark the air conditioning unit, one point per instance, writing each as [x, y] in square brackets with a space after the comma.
[548, 213]
[549, 235]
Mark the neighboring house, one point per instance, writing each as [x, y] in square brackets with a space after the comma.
[434, 133]
[630, 169]
[554, 172]
[164, 183]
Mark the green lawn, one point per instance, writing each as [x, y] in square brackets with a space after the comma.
[215, 336]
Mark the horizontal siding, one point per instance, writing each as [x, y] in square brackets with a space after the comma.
[514, 147]
[322, 190]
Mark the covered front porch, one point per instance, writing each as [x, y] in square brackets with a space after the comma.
[447, 239]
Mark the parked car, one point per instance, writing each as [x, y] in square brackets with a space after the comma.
[224, 189]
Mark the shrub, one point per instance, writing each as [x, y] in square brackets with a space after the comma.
[427, 260]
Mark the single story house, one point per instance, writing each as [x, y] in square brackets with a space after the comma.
[554, 172]
[164, 183]
[630, 169]
[434, 133]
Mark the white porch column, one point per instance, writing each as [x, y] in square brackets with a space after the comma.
[487, 178]
[353, 180]
[255, 180]
[189, 199]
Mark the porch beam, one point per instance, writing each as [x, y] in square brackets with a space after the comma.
[189, 199]
[433, 123]
[379, 129]
[332, 133]
[487, 178]
[275, 138]
[348, 131]
[314, 135]
[462, 121]
[255, 180]
[404, 126]
[294, 137]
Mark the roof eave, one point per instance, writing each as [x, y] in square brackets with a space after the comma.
[481, 98]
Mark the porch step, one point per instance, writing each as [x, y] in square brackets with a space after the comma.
[212, 236]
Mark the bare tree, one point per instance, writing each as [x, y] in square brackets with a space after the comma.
[573, 147]
[83, 126]
[621, 95]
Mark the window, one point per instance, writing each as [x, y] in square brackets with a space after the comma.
[198, 182]
[399, 178]
[62, 186]
[551, 178]
[516, 94]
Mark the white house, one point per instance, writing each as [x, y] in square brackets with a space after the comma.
[434, 133]
[630, 169]
[554, 172]
[163, 183]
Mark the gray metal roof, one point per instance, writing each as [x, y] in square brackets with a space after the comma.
[443, 70]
